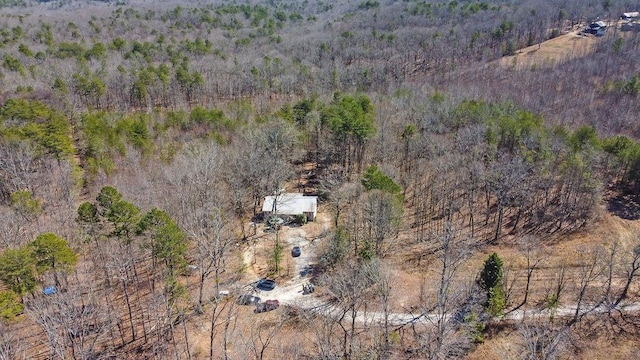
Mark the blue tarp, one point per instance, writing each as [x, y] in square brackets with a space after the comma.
[50, 290]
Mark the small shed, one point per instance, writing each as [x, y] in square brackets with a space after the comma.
[291, 204]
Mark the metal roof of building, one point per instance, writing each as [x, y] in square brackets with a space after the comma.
[291, 204]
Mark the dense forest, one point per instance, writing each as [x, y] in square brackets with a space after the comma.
[470, 206]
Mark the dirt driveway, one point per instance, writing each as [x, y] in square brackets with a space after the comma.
[289, 289]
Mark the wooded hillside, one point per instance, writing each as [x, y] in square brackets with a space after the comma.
[477, 195]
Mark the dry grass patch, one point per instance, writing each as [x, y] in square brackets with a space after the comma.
[551, 52]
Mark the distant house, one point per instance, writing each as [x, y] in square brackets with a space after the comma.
[291, 204]
[597, 28]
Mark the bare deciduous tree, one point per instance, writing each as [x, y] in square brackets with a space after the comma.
[262, 335]
[353, 286]
[212, 243]
[382, 216]
[119, 265]
[73, 321]
[504, 181]
[224, 312]
[630, 268]
[324, 329]
[340, 194]
[196, 179]
[587, 274]
[543, 339]
[18, 165]
[442, 339]
[533, 256]
[10, 345]
[385, 294]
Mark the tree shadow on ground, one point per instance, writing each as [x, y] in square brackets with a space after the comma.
[625, 205]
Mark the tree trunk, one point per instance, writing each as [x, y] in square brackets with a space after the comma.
[498, 223]
[635, 266]
[126, 296]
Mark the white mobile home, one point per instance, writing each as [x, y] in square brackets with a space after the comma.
[291, 204]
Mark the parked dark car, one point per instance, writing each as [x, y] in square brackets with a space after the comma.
[296, 251]
[248, 299]
[266, 284]
[267, 306]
